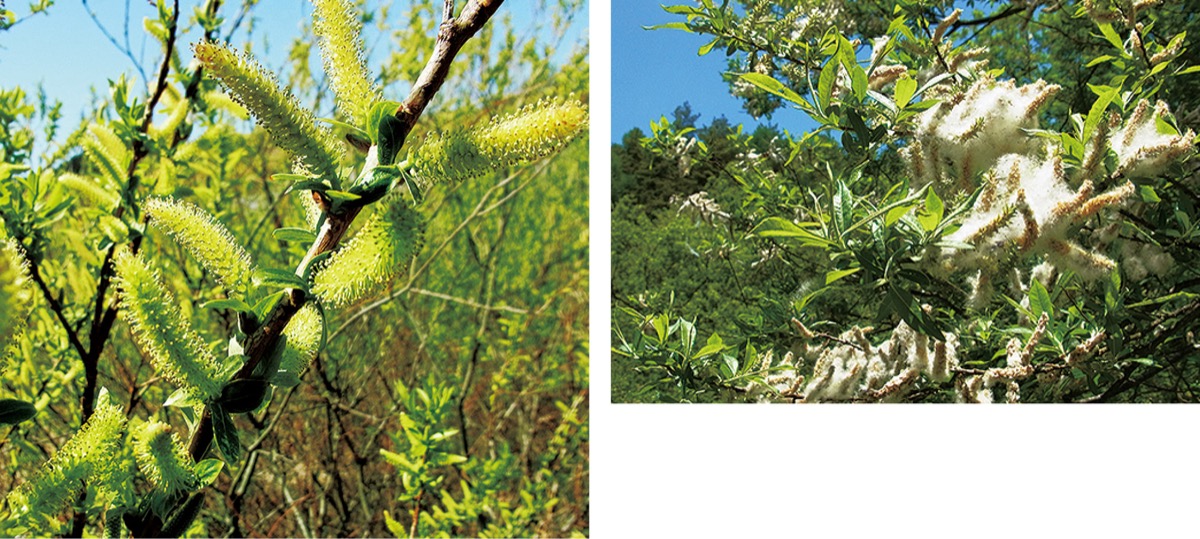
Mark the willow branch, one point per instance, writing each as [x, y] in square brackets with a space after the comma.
[452, 34]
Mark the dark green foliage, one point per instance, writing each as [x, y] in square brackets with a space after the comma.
[869, 224]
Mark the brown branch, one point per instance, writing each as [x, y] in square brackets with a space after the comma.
[452, 34]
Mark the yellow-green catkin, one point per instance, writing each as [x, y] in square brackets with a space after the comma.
[303, 338]
[15, 291]
[36, 504]
[107, 152]
[292, 127]
[166, 129]
[531, 133]
[206, 239]
[90, 189]
[163, 459]
[176, 351]
[338, 26]
[389, 239]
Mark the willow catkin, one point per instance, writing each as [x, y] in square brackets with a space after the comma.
[15, 291]
[531, 133]
[176, 351]
[337, 25]
[163, 459]
[57, 485]
[302, 342]
[213, 246]
[388, 240]
[291, 127]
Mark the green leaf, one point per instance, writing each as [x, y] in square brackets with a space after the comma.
[1112, 37]
[226, 434]
[1096, 114]
[728, 366]
[1112, 292]
[182, 399]
[394, 527]
[308, 185]
[858, 75]
[896, 213]
[1164, 127]
[931, 214]
[400, 461]
[242, 396]
[278, 278]
[1148, 194]
[825, 85]
[714, 345]
[1188, 70]
[447, 459]
[773, 86]
[708, 47]
[901, 302]
[904, 91]
[843, 207]
[375, 117]
[669, 26]
[837, 275]
[351, 131]
[390, 139]
[207, 471]
[778, 227]
[265, 305]
[1039, 299]
[660, 327]
[302, 235]
[13, 411]
[344, 196]
[1100, 60]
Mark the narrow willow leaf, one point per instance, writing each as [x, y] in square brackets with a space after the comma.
[175, 350]
[337, 25]
[206, 239]
[38, 501]
[302, 235]
[207, 471]
[389, 239]
[279, 278]
[163, 459]
[226, 434]
[228, 303]
[91, 190]
[533, 132]
[292, 127]
[13, 411]
[244, 395]
[301, 345]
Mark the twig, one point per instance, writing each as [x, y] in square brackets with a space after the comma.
[124, 50]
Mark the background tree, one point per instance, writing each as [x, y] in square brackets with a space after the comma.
[1000, 198]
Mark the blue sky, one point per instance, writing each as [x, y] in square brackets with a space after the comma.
[67, 53]
[654, 71]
